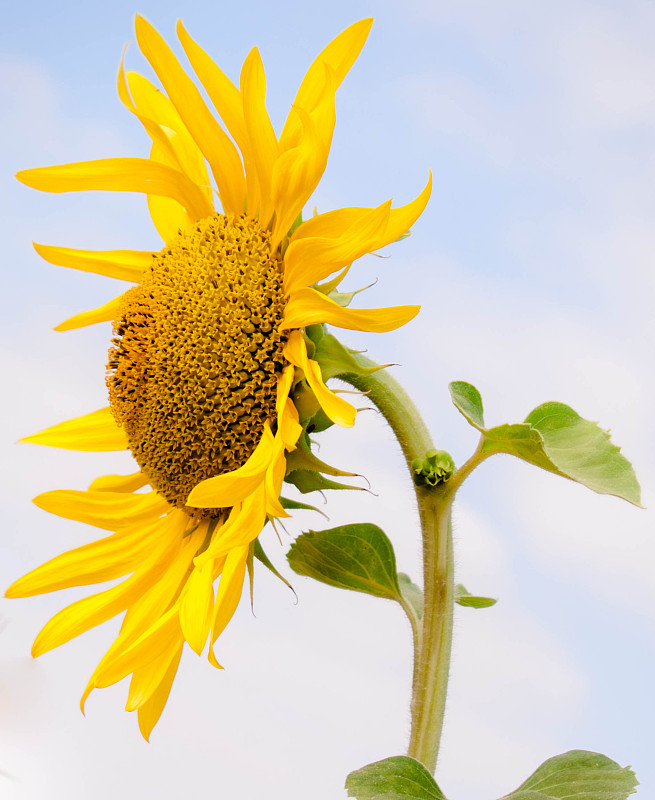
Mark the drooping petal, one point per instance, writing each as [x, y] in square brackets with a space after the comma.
[127, 265]
[95, 432]
[102, 560]
[339, 55]
[243, 526]
[120, 175]
[197, 604]
[146, 680]
[91, 611]
[228, 489]
[105, 313]
[307, 307]
[109, 510]
[310, 260]
[229, 589]
[274, 478]
[212, 140]
[288, 427]
[119, 483]
[150, 711]
[336, 408]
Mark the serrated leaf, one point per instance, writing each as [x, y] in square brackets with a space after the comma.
[396, 778]
[464, 598]
[307, 481]
[358, 557]
[411, 593]
[468, 401]
[577, 775]
[556, 438]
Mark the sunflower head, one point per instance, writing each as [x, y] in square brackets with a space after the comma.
[216, 371]
[197, 355]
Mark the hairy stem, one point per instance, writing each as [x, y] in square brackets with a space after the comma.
[432, 644]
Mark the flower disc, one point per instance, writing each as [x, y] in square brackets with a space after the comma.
[196, 355]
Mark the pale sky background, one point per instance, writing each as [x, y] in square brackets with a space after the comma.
[534, 266]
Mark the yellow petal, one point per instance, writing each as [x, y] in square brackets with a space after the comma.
[95, 432]
[227, 100]
[309, 260]
[105, 313]
[288, 426]
[150, 711]
[212, 140]
[339, 55]
[127, 265]
[307, 307]
[296, 174]
[337, 409]
[333, 224]
[154, 105]
[228, 489]
[103, 560]
[159, 596]
[120, 175]
[150, 646]
[243, 526]
[91, 611]
[229, 589]
[167, 215]
[196, 606]
[109, 510]
[261, 136]
[146, 680]
[274, 478]
[119, 483]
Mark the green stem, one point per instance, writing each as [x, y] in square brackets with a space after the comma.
[432, 644]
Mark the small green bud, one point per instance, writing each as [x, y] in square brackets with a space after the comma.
[434, 468]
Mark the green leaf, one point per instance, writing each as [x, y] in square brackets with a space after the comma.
[358, 557]
[307, 481]
[555, 438]
[465, 598]
[396, 778]
[412, 594]
[468, 401]
[577, 775]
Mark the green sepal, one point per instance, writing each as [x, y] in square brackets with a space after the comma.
[302, 458]
[331, 285]
[578, 774]
[464, 598]
[251, 574]
[344, 299]
[554, 437]
[412, 594]
[260, 555]
[334, 359]
[319, 422]
[396, 778]
[295, 505]
[307, 481]
[359, 557]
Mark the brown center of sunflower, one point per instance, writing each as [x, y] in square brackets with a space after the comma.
[196, 355]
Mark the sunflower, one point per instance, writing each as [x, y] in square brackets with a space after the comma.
[211, 370]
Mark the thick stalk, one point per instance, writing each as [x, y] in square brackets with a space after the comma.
[433, 644]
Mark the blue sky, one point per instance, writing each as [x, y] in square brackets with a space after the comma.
[534, 267]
